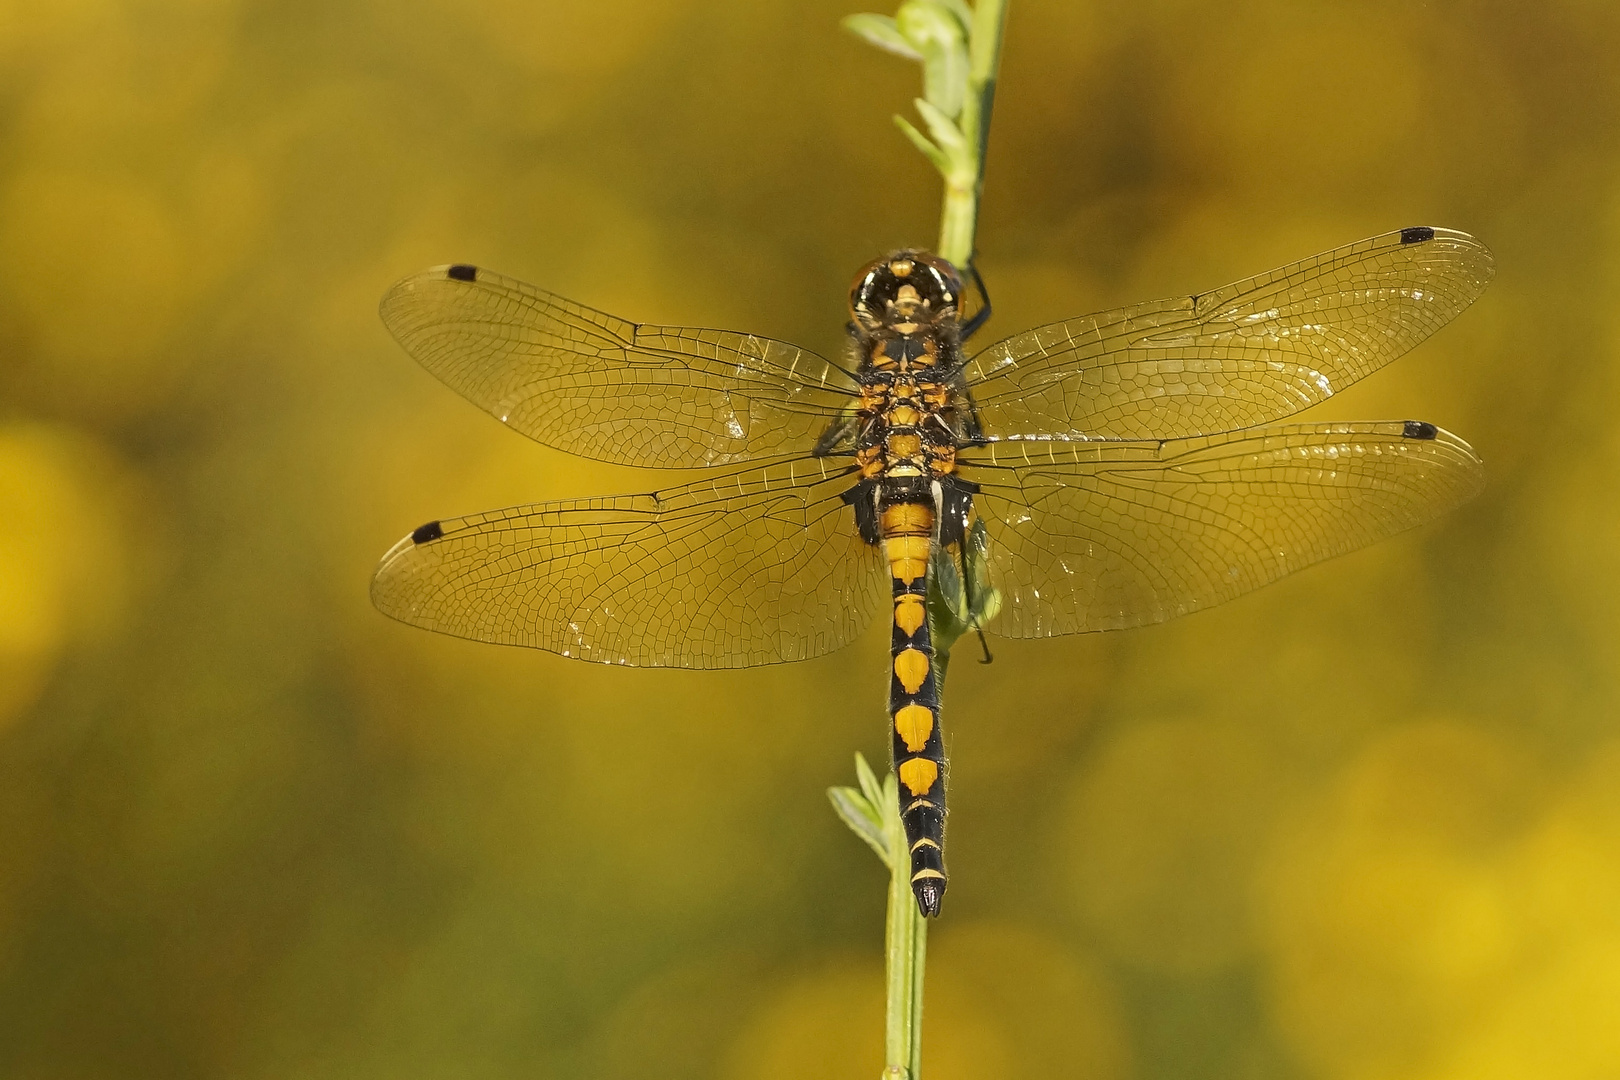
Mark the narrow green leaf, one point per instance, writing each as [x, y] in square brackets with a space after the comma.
[947, 604]
[929, 20]
[862, 818]
[963, 13]
[945, 80]
[983, 598]
[942, 128]
[880, 30]
[920, 141]
[958, 607]
[868, 780]
[935, 31]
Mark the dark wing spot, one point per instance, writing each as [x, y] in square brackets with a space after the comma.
[430, 531]
[464, 272]
[1418, 429]
[1417, 234]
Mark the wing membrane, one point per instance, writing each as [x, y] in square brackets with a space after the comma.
[605, 388]
[758, 566]
[1250, 353]
[1103, 536]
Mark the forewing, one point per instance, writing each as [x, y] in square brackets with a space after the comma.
[1250, 353]
[1105, 536]
[759, 566]
[605, 388]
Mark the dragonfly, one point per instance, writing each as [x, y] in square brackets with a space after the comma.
[1097, 473]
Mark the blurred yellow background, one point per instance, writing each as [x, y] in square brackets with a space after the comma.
[1363, 825]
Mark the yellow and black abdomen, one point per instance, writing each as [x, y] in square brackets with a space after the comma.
[919, 750]
[908, 490]
[898, 510]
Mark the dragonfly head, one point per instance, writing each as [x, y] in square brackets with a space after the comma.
[906, 292]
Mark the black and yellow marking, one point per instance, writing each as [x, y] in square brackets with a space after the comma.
[919, 750]
[909, 500]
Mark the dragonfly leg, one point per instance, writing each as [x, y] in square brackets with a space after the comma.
[971, 601]
[981, 316]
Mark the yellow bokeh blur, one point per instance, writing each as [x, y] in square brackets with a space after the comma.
[1160, 839]
[998, 995]
[1361, 825]
[68, 557]
[1444, 910]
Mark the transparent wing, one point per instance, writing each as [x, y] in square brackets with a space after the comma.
[1108, 535]
[599, 386]
[1250, 353]
[755, 567]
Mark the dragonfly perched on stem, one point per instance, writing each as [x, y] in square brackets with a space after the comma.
[1098, 473]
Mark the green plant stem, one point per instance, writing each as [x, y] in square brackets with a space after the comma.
[906, 935]
[964, 180]
[907, 930]
[956, 147]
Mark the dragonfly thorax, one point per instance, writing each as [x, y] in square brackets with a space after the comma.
[906, 424]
